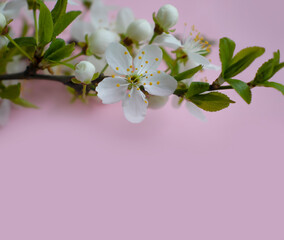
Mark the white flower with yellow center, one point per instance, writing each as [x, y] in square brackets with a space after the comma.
[195, 48]
[136, 78]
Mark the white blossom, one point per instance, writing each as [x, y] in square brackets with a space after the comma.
[194, 47]
[10, 9]
[124, 18]
[100, 40]
[167, 16]
[134, 77]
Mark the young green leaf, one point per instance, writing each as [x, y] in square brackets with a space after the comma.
[62, 53]
[54, 46]
[196, 88]
[274, 85]
[64, 21]
[211, 102]
[226, 48]
[59, 10]
[24, 103]
[45, 25]
[23, 42]
[242, 60]
[188, 74]
[11, 92]
[268, 69]
[241, 88]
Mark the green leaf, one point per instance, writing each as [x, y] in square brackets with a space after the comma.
[24, 103]
[268, 69]
[11, 92]
[23, 42]
[188, 74]
[59, 10]
[211, 102]
[242, 60]
[241, 88]
[64, 21]
[62, 53]
[197, 88]
[275, 85]
[54, 46]
[45, 25]
[226, 48]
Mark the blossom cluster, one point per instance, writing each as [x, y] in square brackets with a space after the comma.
[121, 59]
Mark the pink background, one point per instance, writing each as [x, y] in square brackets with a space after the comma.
[83, 172]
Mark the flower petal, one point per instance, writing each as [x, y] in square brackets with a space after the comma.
[176, 101]
[135, 106]
[195, 111]
[118, 58]
[112, 90]
[167, 40]
[156, 102]
[5, 107]
[124, 17]
[159, 84]
[99, 14]
[148, 59]
[198, 59]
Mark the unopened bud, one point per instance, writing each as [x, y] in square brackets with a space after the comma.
[167, 16]
[140, 30]
[85, 71]
[99, 41]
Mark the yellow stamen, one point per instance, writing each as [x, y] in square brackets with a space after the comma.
[150, 83]
[118, 85]
[158, 83]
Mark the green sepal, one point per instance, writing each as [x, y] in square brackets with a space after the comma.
[11, 92]
[23, 42]
[188, 73]
[64, 21]
[242, 60]
[95, 76]
[274, 85]
[241, 88]
[268, 69]
[226, 52]
[24, 103]
[211, 102]
[74, 80]
[45, 25]
[196, 88]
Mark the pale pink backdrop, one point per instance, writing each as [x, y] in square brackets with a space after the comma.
[76, 172]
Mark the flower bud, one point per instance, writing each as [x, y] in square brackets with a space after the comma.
[167, 16]
[140, 30]
[3, 21]
[99, 41]
[85, 71]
